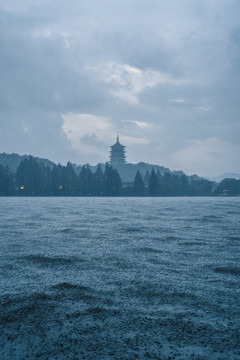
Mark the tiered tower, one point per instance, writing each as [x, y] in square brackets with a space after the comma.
[117, 154]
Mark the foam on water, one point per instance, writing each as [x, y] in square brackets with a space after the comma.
[119, 278]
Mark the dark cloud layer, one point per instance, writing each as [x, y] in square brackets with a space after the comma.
[163, 74]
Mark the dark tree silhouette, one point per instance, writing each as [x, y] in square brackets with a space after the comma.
[32, 178]
[138, 185]
[85, 181]
[70, 180]
[6, 182]
[98, 182]
[112, 181]
[153, 186]
[201, 187]
[57, 186]
[28, 177]
[183, 187]
[228, 187]
[146, 178]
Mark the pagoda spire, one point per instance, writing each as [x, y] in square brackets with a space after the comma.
[117, 154]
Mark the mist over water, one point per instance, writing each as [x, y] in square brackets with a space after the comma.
[119, 278]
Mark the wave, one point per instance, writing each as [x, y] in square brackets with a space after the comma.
[65, 230]
[150, 250]
[228, 270]
[52, 261]
[204, 219]
[234, 238]
[101, 312]
[20, 308]
[133, 229]
[77, 292]
[69, 286]
[170, 238]
[193, 243]
[210, 219]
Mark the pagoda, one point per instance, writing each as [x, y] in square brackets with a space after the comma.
[117, 154]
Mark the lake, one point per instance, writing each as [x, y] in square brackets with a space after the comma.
[120, 278]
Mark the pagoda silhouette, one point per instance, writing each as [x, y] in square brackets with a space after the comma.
[117, 154]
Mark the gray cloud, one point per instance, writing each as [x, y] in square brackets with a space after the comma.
[163, 74]
[39, 72]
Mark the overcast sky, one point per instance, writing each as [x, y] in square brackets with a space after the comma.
[164, 74]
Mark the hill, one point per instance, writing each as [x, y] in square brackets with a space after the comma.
[127, 172]
[14, 160]
[225, 176]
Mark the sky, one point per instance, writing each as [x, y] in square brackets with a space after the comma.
[165, 75]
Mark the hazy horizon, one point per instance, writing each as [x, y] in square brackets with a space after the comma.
[165, 76]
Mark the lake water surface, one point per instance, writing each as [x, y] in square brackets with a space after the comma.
[119, 278]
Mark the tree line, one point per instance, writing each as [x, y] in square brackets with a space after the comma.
[34, 179]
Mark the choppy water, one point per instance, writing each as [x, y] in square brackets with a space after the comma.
[120, 278]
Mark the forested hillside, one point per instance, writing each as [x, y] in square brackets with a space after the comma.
[33, 178]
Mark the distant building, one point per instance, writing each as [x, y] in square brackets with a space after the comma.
[117, 154]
